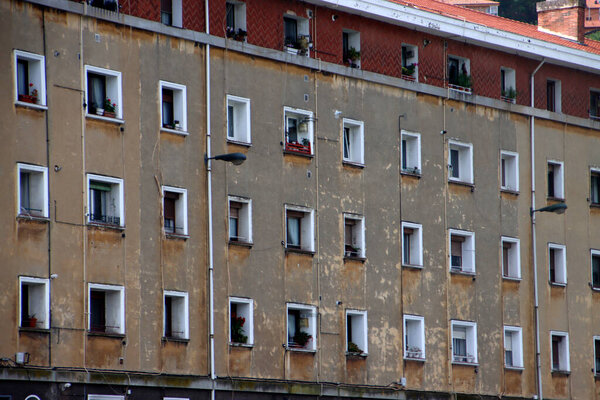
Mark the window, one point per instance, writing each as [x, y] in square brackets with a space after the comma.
[553, 95]
[596, 355]
[462, 251]
[173, 112]
[354, 236]
[296, 35]
[353, 141]
[105, 200]
[175, 318]
[301, 327]
[33, 190]
[595, 186]
[299, 226]
[595, 263]
[241, 322]
[240, 219]
[34, 300]
[459, 72]
[557, 261]
[511, 258]
[175, 210]
[412, 244]
[556, 180]
[30, 78]
[106, 304]
[594, 104]
[171, 12]
[414, 337]
[104, 96]
[507, 84]
[509, 171]
[560, 351]
[238, 119]
[110, 5]
[411, 152]
[356, 332]
[410, 62]
[464, 342]
[513, 347]
[298, 130]
[461, 161]
[235, 17]
[351, 48]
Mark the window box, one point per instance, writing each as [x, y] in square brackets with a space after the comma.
[353, 141]
[460, 162]
[175, 211]
[105, 200]
[411, 152]
[30, 78]
[557, 263]
[34, 300]
[354, 236]
[351, 48]
[296, 35]
[509, 171]
[173, 112]
[235, 18]
[32, 190]
[240, 220]
[175, 315]
[556, 180]
[410, 63]
[299, 226]
[412, 244]
[106, 309]
[414, 337]
[301, 327]
[459, 74]
[464, 342]
[299, 131]
[513, 347]
[241, 321]
[462, 251]
[511, 258]
[356, 333]
[238, 119]
[103, 92]
[559, 342]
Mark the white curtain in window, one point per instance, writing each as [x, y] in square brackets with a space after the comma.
[293, 231]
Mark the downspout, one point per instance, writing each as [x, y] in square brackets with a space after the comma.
[538, 360]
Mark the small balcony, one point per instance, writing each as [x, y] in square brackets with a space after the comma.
[105, 219]
[300, 148]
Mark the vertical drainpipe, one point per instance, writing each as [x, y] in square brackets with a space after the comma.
[538, 360]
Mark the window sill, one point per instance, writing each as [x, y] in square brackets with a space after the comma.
[25, 104]
[174, 131]
[412, 266]
[300, 349]
[509, 191]
[356, 355]
[517, 369]
[107, 335]
[355, 258]
[511, 278]
[299, 251]
[555, 199]
[100, 225]
[241, 345]
[107, 119]
[33, 330]
[297, 153]
[415, 359]
[241, 244]
[465, 273]
[594, 288]
[557, 284]
[597, 376]
[460, 89]
[594, 205]
[556, 372]
[239, 143]
[174, 339]
[27, 217]
[465, 363]
[353, 164]
[176, 236]
[462, 183]
[411, 173]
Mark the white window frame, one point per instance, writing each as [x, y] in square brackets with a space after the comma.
[245, 309]
[509, 81]
[465, 161]
[181, 320]
[307, 228]
[176, 14]
[242, 130]
[468, 251]
[117, 199]
[593, 253]
[239, 10]
[360, 330]
[416, 245]
[595, 201]
[596, 370]
[311, 313]
[559, 179]
[516, 337]
[179, 106]
[412, 150]
[358, 233]
[41, 195]
[41, 302]
[244, 220]
[461, 61]
[560, 267]
[300, 116]
[557, 95]
[36, 65]
[181, 209]
[117, 317]
[511, 171]
[564, 357]
[514, 255]
[471, 342]
[113, 89]
[414, 337]
[302, 29]
[356, 142]
[353, 41]
[412, 60]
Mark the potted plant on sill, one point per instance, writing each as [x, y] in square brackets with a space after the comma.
[32, 97]
[509, 95]
[409, 70]
[464, 81]
[237, 330]
[31, 321]
[353, 56]
[110, 108]
[413, 352]
[301, 338]
[230, 32]
[240, 35]
[352, 251]
[353, 348]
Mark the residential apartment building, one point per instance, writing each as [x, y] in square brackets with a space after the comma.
[378, 241]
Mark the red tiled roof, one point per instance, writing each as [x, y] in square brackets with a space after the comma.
[593, 3]
[472, 2]
[496, 22]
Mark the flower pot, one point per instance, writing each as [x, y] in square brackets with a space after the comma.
[109, 114]
[99, 111]
[32, 323]
[28, 98]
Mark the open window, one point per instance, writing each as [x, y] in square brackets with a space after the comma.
[511, 258]
[508, 85]
[240, 219]
[559, 342]
[460, 166]
[106, 308]
[462, 251]
[103, 92]
[299, 131]
[595, 104]
[464, 342]
[556, 180]
[173, 110]
[411, 153]
[414, 337]
[354, 236]
[30, 78]
[509, 171]
[553, 95]
[353, 141]
[412, 244]
[410, 62]
[171, 13]
[595, 265]
[351, 48]
[241, 321]
[356, 332]
[33, 190]
[513, 347]
[301, 327]
[105, 200]
[175, 211]
[238, 119]
[299, 227]
[459, 74]
[595, 186]
[34, 300]
[235, 18]
[557, 263]
[296, 35]
[176, 315]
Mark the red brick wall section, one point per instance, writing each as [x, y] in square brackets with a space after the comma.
[567, 21]
[147, 9]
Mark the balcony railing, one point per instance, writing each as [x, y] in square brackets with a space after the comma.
[456, 262]
[105, 219]
[298, 148]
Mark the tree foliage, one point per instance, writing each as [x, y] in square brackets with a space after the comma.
[520, 10]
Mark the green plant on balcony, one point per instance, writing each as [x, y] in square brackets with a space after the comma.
[464, 80]
[409, 70]
[301, 338]
[353, 348]
[237, 329]
[511, 93]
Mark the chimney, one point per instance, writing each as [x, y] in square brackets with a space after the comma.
[565, 18]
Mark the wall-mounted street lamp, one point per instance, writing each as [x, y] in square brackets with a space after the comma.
[234, 158]
[558, 208]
